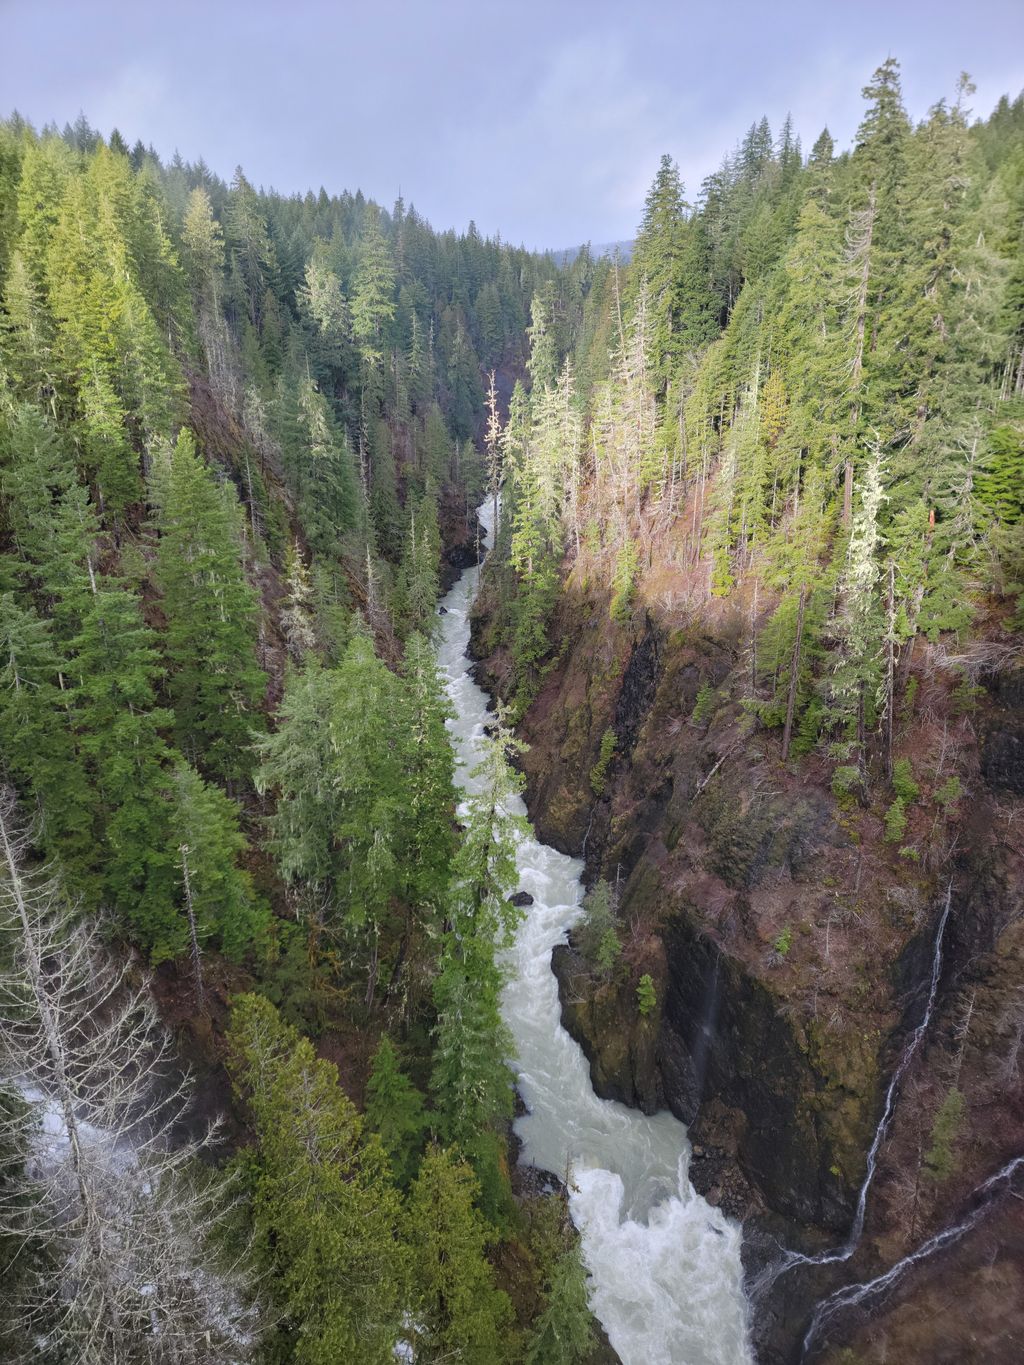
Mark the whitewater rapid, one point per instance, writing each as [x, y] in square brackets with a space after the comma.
[666, 1276]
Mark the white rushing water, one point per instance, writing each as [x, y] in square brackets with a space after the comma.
[667, 1281]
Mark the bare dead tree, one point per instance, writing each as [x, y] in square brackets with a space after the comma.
[961, 1033]
[195, 952]
[794, 674]
[1013, 1022]
[979, 657]
[858, 259]
[121, 1218]
[493, 448]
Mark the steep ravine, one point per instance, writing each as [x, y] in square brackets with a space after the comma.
[790, 947]
[666, 1277]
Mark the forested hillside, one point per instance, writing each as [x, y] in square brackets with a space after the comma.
[816, 384]
[236, 459]
[758, 604]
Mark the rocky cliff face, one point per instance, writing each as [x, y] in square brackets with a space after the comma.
[790, 945]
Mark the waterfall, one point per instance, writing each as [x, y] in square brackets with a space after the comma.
[666, 1276]
[843, 1253]
[706, 1032]
[906, 1057]
[852, 1294]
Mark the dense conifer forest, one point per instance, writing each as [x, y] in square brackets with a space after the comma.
[243, 438]
[812, 382]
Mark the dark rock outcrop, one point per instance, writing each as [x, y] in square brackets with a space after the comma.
[1002, 745]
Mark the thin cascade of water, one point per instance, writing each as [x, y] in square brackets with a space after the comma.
[910, 1047]
[852, 1294]
[706, 1033]
[666, 1275]
[906, 1057]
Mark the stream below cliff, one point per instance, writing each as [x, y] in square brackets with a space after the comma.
[666, 1276]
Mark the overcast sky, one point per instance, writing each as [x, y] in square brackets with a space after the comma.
[542, 121]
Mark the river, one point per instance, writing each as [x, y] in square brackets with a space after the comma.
[666, 1277]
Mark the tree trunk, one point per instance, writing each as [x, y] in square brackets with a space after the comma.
[371, 984]
[890, 669]
[794, 675]
[194, 952]
[857, 371]
[753, 642]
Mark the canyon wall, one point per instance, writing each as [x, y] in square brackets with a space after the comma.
[790, 944]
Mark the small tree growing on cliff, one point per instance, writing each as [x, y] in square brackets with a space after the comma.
[940, 1160]
[646, 995]
[598, 916]
[597, 935]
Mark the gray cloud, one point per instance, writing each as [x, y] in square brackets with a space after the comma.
[542, 121]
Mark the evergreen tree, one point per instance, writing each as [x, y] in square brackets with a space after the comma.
[118, 727]
[202, 241]
[27, 330]
[373, 306]
[659, 261]
[418, 583]
[322, 471]
[322, 304]
[251, 250]
[458, 1312]
[297, 612]
[429, 766]
[857, 674]
[368, 776]
[363, 769]
[296, 762]
[213, 681]
[108, 345]
[325, 1212]
[1001, 487]
[50, 520]
[564, 1333]
[471, 1080]
[543, 362]
[37, 741]
[221, 902]
[394, 1111]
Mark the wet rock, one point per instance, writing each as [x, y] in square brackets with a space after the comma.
[742, 1051]
[1002, 745]
[520, 899]
[619, 1045]
[462, 557]
[1002, 757]
[639, 686]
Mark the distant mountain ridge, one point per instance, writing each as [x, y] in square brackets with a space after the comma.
[567, 255]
